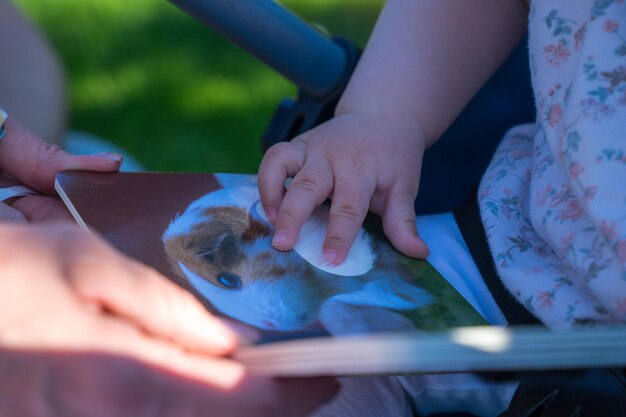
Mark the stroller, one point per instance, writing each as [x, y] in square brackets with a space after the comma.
[321, 67]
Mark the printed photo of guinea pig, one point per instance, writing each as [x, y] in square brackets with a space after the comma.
[222, 245]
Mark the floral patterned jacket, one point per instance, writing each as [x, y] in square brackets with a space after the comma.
[553, 199]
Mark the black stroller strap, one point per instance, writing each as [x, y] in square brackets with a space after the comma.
[470, 223]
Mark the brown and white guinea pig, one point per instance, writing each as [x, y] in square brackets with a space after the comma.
[222, 245]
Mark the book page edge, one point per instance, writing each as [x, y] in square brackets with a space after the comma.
[526, 349]
[70, 206]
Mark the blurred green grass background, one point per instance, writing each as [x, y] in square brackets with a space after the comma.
[166, 88]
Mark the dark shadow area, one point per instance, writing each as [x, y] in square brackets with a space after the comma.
[453, 166]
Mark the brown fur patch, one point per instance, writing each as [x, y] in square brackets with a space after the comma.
[264, 257]
[227, 218]
[256, 230]
[270, 270]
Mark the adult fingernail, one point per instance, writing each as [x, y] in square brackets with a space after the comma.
[270, 213]
[247, 334]
[112, 156]
[330, 256]
[280, 237]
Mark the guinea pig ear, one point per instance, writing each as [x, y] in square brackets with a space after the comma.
[207, 247]
[224, 249]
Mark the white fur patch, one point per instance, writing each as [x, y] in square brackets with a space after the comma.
[242, 196]
[282, 305]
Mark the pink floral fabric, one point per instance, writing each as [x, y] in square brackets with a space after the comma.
[553, 199]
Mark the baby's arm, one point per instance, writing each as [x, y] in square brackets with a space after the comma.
[423, 63]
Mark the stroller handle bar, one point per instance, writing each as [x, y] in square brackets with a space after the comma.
[279, 38]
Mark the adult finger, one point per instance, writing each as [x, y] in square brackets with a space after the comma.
[246, 334]
[36, 163]
[9, 214]
[235, 392]
[39, 208]
[100, 162]
[125, 338]
[146, 298]
[351, 198]
[308, 189]
[399, 225]
[281, 161]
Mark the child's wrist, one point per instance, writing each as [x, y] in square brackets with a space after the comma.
[397, 126]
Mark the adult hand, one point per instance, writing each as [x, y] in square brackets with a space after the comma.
[359, 163]
[27, 160]
[85, 330]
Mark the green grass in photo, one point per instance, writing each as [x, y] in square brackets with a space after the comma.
[177, 96]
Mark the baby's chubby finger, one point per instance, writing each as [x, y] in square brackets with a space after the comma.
[308, 189]
[281, 161]
[351, 198]
[399, 225]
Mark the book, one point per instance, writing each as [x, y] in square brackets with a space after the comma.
[379, 312]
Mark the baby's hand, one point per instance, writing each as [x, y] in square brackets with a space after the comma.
[361, 164]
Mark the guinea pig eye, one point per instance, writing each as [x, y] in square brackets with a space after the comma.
[230, 281]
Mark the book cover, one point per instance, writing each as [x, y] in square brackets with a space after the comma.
[378, 312]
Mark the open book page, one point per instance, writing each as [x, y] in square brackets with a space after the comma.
[131, 211]
[372, 314]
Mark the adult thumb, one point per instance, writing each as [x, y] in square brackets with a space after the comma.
[35, 163]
